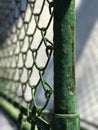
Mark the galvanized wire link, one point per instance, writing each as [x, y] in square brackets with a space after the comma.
[26, 46]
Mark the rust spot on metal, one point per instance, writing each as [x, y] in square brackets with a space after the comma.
[73, 62]
[62, 111]
[72, 28]
[72, 89]
[65, 112]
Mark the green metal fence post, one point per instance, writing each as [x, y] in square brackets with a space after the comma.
[66, 117]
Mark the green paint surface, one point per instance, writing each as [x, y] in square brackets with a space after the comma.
[66, 117]
[64, 61]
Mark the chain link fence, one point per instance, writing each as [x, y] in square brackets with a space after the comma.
[26, 37]
[26, 49]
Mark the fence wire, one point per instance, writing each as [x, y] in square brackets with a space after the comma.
[26, 38]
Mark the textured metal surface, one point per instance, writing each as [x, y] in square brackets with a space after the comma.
[64, 40]
[64, 66]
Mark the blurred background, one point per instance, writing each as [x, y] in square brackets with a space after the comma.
[86, 64]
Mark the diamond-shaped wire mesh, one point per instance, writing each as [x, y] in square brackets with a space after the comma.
[26, 46]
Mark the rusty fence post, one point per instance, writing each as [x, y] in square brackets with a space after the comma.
[65, 117]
